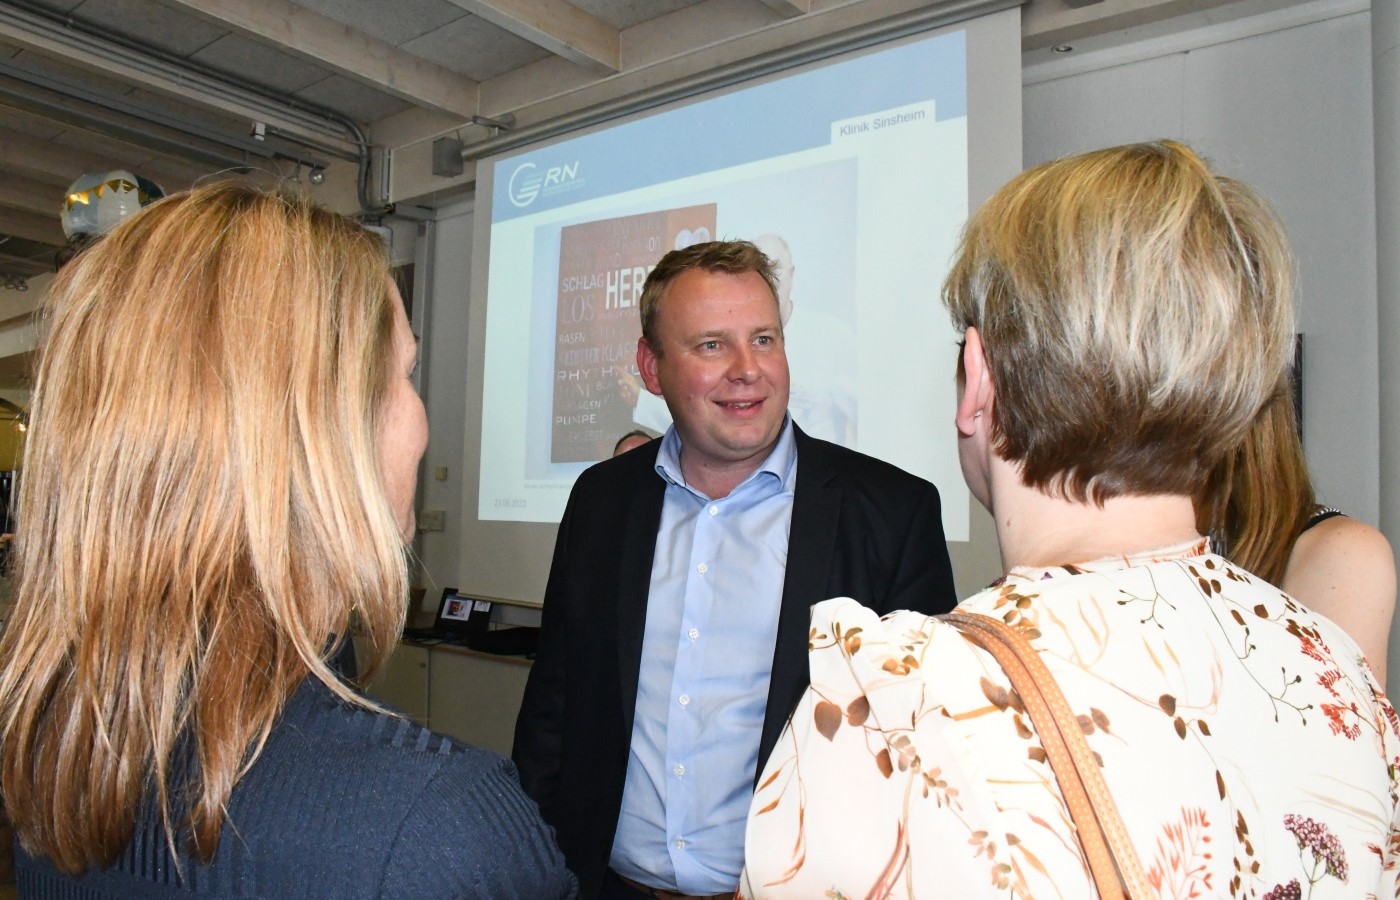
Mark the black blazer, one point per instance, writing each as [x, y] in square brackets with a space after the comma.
[860, 528]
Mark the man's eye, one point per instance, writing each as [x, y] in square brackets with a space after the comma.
[763, 340]
[710, 345]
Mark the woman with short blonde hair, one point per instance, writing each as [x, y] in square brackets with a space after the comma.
[219, 471]
[1127, 287]
[1126, 313]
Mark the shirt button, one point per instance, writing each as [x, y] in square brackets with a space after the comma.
[702, 568]
[685, 699]
[680, 843]
[694, 633]
[679, 769]
[714, 510]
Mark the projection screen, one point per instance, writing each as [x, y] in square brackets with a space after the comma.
[857, 169]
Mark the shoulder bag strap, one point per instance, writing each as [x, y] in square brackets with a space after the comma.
[1113, 861]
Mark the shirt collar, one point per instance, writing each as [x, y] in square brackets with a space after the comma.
[1190, 549]
[781, 463]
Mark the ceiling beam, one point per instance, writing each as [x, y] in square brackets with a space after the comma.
[40, 34]
[352, 53]
[49, 159]
[1045, 23]
[29, 196]
[61, 163]
[31, 227]
[26, 265]
[119, 116]
[559, 27]
[789, 8]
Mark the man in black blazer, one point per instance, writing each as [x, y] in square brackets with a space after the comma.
[854, 526]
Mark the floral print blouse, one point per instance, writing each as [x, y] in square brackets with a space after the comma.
[1249, 748]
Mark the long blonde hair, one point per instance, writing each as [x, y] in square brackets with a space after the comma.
[1260, 498]
[200, 510]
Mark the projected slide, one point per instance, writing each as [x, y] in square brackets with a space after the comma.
[852, 177]
[602, 267]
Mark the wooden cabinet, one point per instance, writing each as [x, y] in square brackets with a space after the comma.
[402, 684]
[475, 697]
[471, 696]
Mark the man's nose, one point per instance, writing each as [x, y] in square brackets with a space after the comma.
[744, 364]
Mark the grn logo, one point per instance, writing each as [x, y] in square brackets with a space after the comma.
[527, 182]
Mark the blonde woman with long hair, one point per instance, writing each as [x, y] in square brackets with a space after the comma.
[1260, 507]
[220, 470]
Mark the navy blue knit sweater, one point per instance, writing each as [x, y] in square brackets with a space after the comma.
[345, 803]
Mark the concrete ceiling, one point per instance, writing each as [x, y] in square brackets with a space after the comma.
[179, 90]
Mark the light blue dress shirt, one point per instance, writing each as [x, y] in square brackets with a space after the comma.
[707, 655]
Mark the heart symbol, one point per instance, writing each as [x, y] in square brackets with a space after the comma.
[684, 238]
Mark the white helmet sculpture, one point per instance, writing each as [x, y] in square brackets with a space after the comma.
[96, 202]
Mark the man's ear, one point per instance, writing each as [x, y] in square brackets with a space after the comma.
[978, 392]
[646, 364]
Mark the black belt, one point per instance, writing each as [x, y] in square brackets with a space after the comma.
[637, 889]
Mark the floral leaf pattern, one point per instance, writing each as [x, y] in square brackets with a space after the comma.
[1181, 864]
[828, 718]
[1249, 747]
[1317, 841]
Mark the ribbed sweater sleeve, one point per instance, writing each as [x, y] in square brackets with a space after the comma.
[344, 803]
[499, 847]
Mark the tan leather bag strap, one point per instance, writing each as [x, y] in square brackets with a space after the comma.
[1113, 861]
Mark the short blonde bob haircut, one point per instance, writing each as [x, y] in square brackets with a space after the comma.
[1136, 313]
[201, 508]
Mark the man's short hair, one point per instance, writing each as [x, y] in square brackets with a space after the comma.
[731, 257]
[1136, 313]
[634, 433]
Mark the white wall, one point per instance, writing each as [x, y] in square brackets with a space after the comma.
[444, 262]
[1282, 101]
